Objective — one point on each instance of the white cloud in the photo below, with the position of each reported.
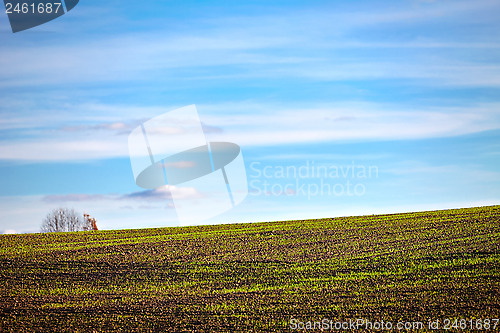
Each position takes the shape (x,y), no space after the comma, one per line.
(368,122)
(260,125)
(48,149)
(164,193)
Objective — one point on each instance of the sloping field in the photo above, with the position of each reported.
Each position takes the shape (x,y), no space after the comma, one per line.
(413,267)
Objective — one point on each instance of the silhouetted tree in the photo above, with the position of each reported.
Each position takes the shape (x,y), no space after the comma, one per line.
(66,220)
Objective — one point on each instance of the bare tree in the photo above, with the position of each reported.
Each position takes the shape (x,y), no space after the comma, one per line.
(66,220)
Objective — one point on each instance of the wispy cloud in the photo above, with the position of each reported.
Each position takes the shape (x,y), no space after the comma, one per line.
(49,149)
(266,45)
(261,125)
(367,121)
(163,194)
(117,127)
(74,197)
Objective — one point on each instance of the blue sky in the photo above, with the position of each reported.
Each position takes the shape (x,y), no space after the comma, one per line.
(409,87)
